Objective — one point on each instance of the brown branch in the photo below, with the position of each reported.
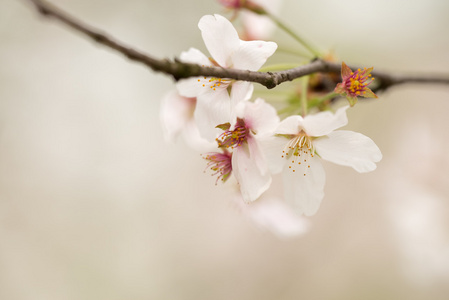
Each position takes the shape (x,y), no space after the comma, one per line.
(181,70)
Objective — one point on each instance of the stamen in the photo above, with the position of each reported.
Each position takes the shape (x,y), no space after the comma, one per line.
(300,144)
(220,164)
(233,138)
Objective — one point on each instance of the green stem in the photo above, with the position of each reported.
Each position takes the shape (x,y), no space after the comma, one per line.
(305,84)
(293,34)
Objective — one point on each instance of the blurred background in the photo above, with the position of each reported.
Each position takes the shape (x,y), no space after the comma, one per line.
(94,204)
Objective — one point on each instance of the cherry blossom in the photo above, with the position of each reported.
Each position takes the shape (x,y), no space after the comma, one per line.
(215,103)
(355,84)
(176,115)
(256,24)
(255,120)
(300,142)
(220,164)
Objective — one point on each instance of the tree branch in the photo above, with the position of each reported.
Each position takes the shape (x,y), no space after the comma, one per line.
(180,70)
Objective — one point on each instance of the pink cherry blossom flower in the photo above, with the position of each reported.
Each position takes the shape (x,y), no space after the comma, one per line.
(254,121)
(355,84)
(299,144)
(215,103)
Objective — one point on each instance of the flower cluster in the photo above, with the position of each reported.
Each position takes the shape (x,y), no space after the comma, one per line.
(247,138)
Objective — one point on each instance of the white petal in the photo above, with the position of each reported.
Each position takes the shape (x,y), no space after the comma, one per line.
(193,139)
(190,87)
(272,147)
(211,111)
(276,216)
(241,91)
(220,38)
(304,192)
(256,154)
(253,54)
(325,122)
(195,56)
(260,117)
(349,148)
(252,182)
(196,86)
(176,113)
(290,125)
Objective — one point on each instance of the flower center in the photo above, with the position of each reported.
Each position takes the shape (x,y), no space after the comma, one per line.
(220,164)
(358,82)
(233,138)
(213,83)
(299,151)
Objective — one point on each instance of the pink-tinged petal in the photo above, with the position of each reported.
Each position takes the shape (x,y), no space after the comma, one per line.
(212,110)
(260,117)
(176,112)
(195,56)
(220,38)
(345,71)
(252,55)
(305,192)
(290,125)
(257,27)
(340,89)
(325,122)
(252,182)
(348,148)
(273,214)
(272,147)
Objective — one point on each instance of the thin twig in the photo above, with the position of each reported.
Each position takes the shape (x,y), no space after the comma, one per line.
(181,70)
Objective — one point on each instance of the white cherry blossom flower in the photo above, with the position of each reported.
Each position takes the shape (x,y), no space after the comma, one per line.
(260,26)
(215,104)
(298,145)
(248,163)
(176,115)
(256,25)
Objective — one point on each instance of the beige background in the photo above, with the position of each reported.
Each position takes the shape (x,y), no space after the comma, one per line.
(95,205)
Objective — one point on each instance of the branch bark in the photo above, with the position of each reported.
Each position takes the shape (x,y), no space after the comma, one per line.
(179,70)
